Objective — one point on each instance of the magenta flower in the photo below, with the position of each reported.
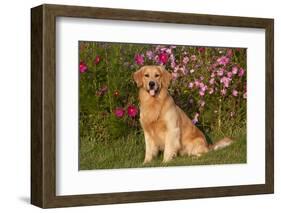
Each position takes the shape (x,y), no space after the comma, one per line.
(234,70)
(223,60)
(132,111)
(201,49)
(139,59)
(97,60)
(119,112)
(241,72)
(82,67)
(163,58)
(234,92)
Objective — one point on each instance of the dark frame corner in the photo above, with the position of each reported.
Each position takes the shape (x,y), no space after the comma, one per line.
(43,102)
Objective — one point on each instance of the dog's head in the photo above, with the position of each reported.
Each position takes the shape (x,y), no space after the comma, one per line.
(152,79)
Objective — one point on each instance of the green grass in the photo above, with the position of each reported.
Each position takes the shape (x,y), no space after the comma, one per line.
(129,153)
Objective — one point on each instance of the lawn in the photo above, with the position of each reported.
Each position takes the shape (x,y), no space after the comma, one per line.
(129,153)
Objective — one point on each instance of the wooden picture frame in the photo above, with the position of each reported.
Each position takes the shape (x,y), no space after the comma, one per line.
(43,105)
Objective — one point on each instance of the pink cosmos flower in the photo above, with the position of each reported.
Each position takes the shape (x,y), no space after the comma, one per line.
(214,65)
(229,52)
(223,92)
(195,119)
(163,58)
(220,72)
(168,50)
(173,61)
(201,85)
(234,70)
(193,57)
(212,81)
(185,60)
(82,67)
(197,82)
(175,75)
(201,92)
(139,59)
(234,92)
(149,54)
(223,60)
(156,58)
(132,111)
(229,74)
(225,81)
(119,112)
(241,72)
(213,75)
(190,85)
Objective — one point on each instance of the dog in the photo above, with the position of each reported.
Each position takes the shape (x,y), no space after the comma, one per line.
(165,125)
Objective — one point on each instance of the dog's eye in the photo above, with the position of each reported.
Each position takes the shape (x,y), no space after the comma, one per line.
(157,75)
(146,75)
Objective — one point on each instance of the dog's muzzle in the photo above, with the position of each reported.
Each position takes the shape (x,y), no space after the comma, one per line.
(152,88)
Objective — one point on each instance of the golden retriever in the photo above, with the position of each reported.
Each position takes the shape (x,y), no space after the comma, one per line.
(166,127)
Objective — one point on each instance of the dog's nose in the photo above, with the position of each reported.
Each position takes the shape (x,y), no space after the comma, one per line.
(151,84)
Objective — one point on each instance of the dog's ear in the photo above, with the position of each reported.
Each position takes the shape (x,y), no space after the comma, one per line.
(166,77)
(138,75)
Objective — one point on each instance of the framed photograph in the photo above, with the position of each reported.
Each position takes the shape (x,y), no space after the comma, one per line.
(136,106)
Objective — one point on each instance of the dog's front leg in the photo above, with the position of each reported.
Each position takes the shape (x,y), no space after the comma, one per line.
(151,149)
(172,144)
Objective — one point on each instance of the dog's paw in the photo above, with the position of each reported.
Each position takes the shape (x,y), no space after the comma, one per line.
(167,160)
(146,161)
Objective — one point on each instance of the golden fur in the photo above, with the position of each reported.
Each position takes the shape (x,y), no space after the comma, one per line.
(166,127)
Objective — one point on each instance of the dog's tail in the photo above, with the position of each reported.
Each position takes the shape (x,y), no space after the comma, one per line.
(221,144)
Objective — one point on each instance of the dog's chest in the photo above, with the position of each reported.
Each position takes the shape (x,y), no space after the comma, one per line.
(156,130)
